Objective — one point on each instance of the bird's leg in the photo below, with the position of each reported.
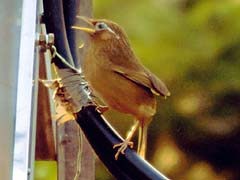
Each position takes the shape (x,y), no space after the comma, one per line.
(127,142)
(142,138)
(101,109)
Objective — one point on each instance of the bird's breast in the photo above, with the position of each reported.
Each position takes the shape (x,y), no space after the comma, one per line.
(118,92)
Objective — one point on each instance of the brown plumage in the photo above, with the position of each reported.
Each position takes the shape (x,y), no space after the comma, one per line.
(119,79)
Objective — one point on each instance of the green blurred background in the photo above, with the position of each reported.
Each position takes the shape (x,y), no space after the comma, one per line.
(194,47)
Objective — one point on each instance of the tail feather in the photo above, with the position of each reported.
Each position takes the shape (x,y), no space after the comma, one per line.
(142,139)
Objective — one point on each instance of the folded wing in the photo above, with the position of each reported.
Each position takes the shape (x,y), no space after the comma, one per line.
(145,78)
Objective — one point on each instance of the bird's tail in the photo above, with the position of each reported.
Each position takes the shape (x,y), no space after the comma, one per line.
(142,139)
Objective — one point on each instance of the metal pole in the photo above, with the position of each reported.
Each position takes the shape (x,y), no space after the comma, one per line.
(24,139)
(10,18)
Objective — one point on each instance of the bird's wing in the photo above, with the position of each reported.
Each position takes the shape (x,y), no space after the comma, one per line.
(145,78)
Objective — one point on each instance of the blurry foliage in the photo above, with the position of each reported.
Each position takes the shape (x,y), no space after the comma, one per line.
(194,47)
(45,170)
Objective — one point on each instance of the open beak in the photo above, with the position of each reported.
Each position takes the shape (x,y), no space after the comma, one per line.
(85,29)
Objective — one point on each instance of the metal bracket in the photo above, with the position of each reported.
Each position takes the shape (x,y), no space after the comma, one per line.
(45,41)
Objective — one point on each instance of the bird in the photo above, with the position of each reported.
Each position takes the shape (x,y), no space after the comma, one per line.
(119,79)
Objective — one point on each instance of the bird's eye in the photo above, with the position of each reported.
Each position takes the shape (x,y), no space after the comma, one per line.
(101,26)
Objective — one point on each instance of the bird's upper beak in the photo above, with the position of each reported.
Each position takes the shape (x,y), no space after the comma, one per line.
(85,29)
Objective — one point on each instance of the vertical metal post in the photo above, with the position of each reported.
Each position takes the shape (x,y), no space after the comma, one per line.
(24,141)
(10,18)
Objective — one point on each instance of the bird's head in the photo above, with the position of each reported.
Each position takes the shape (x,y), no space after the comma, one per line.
(106,37)
(102,30)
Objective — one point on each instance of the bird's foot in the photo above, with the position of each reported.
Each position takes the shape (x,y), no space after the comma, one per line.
(122,147)
(102,109)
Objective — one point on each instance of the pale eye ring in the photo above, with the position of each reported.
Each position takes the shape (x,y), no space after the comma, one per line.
(101,26)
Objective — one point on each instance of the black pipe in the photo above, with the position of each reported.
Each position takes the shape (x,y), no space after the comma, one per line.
(70,9)
(98,132)
(53,17)
(102,138)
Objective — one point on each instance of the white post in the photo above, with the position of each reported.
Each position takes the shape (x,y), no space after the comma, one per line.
(10,29)
(24,139)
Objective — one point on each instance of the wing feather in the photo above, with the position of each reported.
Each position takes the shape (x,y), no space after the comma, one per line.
(145,78)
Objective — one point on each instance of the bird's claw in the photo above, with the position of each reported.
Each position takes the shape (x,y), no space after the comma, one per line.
(122,147)
(102,109)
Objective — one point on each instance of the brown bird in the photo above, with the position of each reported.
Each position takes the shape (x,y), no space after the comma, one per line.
(119,79)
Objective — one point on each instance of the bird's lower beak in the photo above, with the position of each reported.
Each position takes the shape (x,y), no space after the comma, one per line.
(85,29)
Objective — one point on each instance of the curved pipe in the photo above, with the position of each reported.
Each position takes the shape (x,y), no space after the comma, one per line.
(99,133)
(102,138)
